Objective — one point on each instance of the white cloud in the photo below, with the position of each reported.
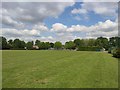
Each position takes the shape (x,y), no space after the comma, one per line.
(31,12)
(30,17)
(107,28)
(58,27)
(77,28)
(8,21)
(47,39)
(101,8)
(20,33)
(79,11)
(40,27)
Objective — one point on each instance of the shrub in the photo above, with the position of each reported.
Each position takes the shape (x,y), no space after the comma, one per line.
(116,52)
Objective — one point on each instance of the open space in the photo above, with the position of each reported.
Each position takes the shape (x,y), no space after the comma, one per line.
(58,69)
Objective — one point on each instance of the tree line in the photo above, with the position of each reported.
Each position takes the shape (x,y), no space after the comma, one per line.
(112,45)
(100,42)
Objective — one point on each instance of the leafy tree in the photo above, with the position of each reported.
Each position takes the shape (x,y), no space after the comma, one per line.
(52,45)
(58,45)
(102,42)
(4,43)
(47,45)
(10,42)
(118,41)
(44,45)
(29,45)
(37,42)
(70,45)
(41,45)
(91,42)
(82,42)
(85,42)
(23,44)
(114,42)
(0,42)
(18,44)
(77,42)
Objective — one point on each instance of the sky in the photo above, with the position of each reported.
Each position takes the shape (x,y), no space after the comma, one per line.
(58,21)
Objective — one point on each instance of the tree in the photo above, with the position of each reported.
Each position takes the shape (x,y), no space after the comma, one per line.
(85,42)
(44,45)
(41,45)
(4,43)
(10,42)
(58,45)
(47,45)
(82,42)
(23,44)
(114,42)
(91,42)
(52,45)
(37,42)
(0,43)
(70,45)
(102,42)
(118,42)
(18,44)
(77,42)
(29,45)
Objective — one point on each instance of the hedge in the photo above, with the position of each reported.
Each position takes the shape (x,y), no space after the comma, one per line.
(89,49)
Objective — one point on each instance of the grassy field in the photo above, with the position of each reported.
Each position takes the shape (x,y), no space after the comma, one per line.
(59,69)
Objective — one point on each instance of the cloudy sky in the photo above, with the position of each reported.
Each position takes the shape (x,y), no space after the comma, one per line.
(58,21)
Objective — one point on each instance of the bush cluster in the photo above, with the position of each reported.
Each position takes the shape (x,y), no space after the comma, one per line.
(115,51)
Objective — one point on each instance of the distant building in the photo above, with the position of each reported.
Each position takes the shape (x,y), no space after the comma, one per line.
(35,47)
(25,48)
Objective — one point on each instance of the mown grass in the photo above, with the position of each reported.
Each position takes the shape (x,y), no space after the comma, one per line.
(59,69)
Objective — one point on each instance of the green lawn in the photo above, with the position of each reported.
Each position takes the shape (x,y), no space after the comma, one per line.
(59,69)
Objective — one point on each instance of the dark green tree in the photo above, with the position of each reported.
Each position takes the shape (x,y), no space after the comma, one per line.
(77,42)
(16,44)
(91,42)
(52,45)
(10,43)
(58,45)
(37,42)
(0,42)
(4,43)
(29,45)
(41,45)
(102,42)
(70,45)
(47,45)
(23,45)
(114,42)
